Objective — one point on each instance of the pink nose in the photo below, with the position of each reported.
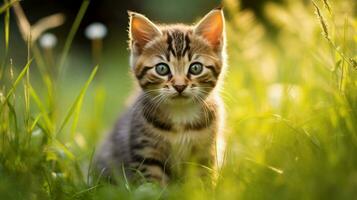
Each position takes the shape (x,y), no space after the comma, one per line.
(180,88)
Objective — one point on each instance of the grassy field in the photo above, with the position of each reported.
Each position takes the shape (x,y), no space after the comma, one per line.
(290,94)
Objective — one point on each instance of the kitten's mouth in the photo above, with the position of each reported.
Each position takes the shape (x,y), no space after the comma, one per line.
(180,96)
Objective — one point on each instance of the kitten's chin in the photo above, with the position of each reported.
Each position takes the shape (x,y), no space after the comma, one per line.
(181,99)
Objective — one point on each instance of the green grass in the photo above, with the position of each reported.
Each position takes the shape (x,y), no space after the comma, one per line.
(291,98)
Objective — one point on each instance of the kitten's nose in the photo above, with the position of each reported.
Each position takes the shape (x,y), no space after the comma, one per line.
(180,88)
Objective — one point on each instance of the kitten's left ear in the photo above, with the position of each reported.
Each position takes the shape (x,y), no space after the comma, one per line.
(211,28)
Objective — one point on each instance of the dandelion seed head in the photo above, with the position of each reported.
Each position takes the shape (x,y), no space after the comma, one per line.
(48,40)
(96,30)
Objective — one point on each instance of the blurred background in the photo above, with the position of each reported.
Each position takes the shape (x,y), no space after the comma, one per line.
(113,50)
(290,92)
(114,15)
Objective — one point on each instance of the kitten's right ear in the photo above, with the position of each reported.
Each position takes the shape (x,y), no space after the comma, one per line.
(211,28)
(141,31)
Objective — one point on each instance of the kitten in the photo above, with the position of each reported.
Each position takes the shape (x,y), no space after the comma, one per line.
(177,117)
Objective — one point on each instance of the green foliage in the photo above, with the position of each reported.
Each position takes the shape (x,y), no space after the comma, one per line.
(6,5)
(291,124)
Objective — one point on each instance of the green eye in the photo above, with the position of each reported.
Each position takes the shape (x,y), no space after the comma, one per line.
(162,69)
(196,68)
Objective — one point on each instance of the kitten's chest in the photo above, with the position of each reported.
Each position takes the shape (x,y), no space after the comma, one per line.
(186,146)
(191,129)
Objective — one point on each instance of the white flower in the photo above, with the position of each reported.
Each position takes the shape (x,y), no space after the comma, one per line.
(96,30)
(48,40)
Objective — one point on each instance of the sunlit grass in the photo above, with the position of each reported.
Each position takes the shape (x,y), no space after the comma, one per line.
(291,99)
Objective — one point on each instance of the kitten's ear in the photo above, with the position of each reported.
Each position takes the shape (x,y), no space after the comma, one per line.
(211,27)
(141,30)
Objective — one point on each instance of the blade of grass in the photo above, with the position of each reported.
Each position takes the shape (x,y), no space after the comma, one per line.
(7,29)
(72,33)
(45,75)
(322,20)
(34,123)
(12,114)
(274,169)
(17,81)
(74,110)
(84,191)
(325,33)
(44,112)
(90,166)
(58,145)
(127,184)
(7,5)
(24,26)
(6,35)
(26,92)
(327,6)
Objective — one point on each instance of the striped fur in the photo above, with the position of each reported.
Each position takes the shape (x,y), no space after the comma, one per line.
(166,127)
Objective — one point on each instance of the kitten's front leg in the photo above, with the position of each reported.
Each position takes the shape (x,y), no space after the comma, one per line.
(150,163)
(205,157)
(149,169)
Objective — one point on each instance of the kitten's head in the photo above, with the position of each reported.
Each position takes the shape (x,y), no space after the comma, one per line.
(177,62)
